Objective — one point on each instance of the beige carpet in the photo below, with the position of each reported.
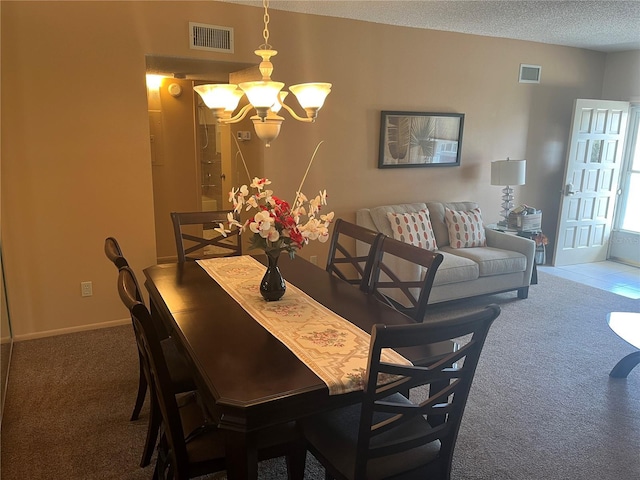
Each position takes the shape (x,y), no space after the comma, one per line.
(542,405)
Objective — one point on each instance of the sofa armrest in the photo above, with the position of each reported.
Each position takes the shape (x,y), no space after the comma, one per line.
(506,241)
(514,243)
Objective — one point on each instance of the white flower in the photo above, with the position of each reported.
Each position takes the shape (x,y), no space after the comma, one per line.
(328,218)
(259,183)
(222,230)
(323,197)
(231,219)
(315,229)
(262,224)
(300,199)
(274,235)
(252,203)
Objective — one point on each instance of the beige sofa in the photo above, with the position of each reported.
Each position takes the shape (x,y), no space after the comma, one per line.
(504,264)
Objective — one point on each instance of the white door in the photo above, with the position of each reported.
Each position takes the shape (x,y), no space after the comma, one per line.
(591,179)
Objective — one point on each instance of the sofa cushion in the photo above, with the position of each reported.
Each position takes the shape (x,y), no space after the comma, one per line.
(455,268)
(414,228)
(466,229)
(436,211)
(381,221)
(490,261)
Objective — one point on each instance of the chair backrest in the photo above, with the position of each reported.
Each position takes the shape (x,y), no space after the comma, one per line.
(355,269)
(393,282)
(389,422)
(156,369)
(196,232)
(114,253)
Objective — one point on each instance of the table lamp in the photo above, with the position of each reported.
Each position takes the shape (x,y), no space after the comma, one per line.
(507,173)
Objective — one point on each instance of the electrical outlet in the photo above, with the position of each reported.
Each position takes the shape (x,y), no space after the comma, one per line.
(313,259)
(86,288)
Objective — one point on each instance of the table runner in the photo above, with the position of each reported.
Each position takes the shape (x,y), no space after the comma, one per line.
(332,347)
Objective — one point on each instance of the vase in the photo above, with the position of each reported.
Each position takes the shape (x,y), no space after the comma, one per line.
(272,286)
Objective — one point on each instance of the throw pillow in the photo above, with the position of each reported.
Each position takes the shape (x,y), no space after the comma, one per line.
(414,228)
(465,228)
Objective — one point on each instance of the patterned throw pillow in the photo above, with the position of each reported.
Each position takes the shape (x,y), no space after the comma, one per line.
(414,228)
(465,228)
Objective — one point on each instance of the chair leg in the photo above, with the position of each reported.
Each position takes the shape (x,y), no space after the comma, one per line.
(155,419)
(162,461)
(523,293)
(142,391)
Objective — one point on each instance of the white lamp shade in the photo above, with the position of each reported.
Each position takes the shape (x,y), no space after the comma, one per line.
(262,94)
(275,108)
(220,96)
(508,172)
(311,95)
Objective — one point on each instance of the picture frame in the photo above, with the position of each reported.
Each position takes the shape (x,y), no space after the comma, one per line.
(420,139)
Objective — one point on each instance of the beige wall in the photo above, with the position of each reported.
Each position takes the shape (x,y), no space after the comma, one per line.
(75,148)
(622,77)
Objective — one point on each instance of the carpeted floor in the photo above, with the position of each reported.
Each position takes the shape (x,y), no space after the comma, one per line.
(542,405)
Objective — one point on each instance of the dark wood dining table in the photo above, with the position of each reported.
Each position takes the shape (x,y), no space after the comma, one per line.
(246,376)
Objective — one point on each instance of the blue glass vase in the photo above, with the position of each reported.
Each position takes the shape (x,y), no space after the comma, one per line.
(272,286)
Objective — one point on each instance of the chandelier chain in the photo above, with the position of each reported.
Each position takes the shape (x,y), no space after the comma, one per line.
(265,32)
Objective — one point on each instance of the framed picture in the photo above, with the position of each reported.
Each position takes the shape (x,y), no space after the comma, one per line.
(417,139)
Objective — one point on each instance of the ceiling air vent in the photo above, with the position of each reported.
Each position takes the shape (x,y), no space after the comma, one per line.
(210,37)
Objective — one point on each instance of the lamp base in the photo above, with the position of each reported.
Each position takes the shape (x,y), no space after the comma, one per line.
(507,205)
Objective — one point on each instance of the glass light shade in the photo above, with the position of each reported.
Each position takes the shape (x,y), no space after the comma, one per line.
(262,94)
(311,95)
(275,108)
(508,172)
(220,96)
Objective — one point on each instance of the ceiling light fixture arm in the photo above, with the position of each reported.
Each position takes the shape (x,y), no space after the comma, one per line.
(309,119)
(238,117)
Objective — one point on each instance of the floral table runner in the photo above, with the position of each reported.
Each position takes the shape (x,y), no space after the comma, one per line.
(332,347)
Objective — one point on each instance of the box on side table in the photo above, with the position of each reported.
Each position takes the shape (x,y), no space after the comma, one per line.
(527,222)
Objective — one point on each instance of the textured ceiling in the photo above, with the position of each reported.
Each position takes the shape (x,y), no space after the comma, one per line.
(606,26)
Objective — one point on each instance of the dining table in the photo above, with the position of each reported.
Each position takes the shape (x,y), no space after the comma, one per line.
(244,373)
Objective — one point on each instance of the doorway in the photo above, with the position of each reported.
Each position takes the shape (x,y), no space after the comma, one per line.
(591,181)
(626,234)
(191,156)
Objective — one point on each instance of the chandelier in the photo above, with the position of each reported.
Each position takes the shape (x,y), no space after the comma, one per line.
(265,96)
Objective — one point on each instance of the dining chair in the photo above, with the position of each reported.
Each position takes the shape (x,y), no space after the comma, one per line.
(409,294)
(191,444)
(389,435)
(180,371)
(355,269)
(196,235)
(114,253)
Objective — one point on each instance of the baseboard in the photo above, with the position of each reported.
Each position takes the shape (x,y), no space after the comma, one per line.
(63,331)
(624,261)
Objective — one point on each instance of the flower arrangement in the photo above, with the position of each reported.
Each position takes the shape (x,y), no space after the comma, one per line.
(278,226)
(540,239)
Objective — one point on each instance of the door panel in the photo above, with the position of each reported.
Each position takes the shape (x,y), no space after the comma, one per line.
(592,172)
